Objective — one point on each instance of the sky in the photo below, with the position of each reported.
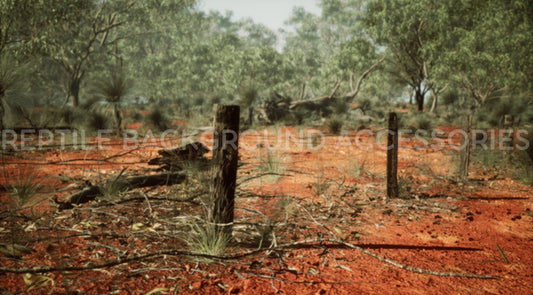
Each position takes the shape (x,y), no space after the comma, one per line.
(272,13)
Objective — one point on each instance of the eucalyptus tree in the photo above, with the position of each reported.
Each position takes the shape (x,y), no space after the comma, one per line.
(159,41)
(305,51)
(8,79)
(485,47)
(405,29)
(484,50)
(84,32)
(332,53)
(22,25)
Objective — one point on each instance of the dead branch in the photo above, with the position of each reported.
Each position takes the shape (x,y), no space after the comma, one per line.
(94,191)
(363,76)
(123,260)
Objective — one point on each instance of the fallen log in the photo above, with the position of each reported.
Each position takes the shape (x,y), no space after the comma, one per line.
(177,159)
(269,112)
(94,191)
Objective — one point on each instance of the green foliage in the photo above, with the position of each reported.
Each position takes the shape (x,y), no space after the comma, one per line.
(425,123)
(114,89)
(176,53)
(159,119)
(485,54)
(248,96)
(274,107)
(10,76)
(8,73)
(516,163)
(525,174)
(403,27)
(72,116)
(98,120)
(136,116)
(340,106)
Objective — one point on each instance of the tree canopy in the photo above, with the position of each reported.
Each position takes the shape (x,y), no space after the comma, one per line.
(355,49)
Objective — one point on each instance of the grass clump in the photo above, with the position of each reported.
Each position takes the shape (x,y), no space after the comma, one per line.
(525,174)
(335,125)
(321,184)
(208,239)
(356,168)
(111,190)
(159,119)
(23,189)
(271,162)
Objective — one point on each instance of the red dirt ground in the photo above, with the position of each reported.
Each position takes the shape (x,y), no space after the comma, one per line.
(325,200)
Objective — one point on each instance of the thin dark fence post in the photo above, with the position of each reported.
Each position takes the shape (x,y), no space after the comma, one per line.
(465,148)
(392,157)
(225,160)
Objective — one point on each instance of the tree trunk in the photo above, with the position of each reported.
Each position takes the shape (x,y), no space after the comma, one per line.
(434,104)
(74,92)
(419,97)
(74,81)
(225,160)
(250,115)
(392,157)
(118,118)
(2,112)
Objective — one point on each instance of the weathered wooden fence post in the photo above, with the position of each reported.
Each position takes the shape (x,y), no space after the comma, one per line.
(225,160)
(392,157)
(465,148)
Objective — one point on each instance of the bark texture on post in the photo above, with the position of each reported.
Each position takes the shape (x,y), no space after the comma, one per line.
(392,157)
(465,148)
(225,160)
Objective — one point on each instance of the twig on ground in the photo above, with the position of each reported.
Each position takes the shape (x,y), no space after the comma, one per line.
(235,256)
(502,254)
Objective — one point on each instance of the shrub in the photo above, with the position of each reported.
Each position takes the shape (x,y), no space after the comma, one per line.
(334,125)
(72,116)
(340,106)
(159,119)
(136,116)
(98,121)
(424,123)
